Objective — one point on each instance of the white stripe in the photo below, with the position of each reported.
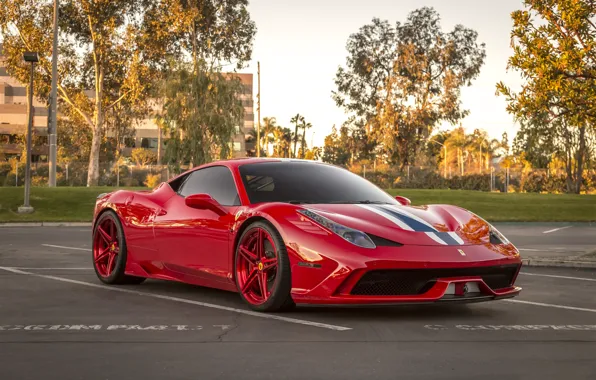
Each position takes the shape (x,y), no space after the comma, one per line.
(529,249)
(556,229)
(389,217)
(456,238)
(184,300)
(63,247)
(555,276)
(408,214)
(435,237)
(552,305)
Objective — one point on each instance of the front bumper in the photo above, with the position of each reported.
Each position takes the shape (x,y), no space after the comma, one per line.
(419,278)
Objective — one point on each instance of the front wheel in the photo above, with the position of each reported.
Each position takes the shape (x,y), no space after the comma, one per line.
(262,269)
(109,251)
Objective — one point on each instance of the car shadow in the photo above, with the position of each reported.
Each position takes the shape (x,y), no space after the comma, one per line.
(431,313)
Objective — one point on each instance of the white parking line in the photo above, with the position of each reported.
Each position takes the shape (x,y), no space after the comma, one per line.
(555,276)
(556,229)
(63,247)
(64,268)
(552,305)
(529,249)
(183,300)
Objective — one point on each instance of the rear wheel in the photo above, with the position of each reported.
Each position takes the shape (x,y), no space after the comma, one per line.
(109,251)
(262,269)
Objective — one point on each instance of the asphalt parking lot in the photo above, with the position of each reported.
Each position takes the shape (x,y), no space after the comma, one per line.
(58,322)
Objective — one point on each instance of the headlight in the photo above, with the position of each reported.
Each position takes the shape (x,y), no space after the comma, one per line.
(355,237)
(496,237)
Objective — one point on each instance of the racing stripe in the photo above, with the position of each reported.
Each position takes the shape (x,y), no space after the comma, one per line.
(403,211)
(416,225)
(435,237)
(446,236)
(395,220)
(456,237)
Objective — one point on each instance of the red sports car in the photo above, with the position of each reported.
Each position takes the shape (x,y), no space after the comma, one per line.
(283,232)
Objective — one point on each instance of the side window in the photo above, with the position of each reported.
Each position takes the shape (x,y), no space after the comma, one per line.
(216,181)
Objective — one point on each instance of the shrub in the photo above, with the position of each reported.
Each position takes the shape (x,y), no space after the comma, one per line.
(152,180)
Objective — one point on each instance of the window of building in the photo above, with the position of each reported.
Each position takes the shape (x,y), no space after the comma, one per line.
(237,146)
(150,143)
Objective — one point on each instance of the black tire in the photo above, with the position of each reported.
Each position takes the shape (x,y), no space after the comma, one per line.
(280,298)
(117,277)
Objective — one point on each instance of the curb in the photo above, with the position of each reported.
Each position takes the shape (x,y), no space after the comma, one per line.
(558,263)
(47,224)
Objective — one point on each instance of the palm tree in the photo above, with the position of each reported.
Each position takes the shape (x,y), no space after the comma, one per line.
(304,126)
(267,128)
(297,120)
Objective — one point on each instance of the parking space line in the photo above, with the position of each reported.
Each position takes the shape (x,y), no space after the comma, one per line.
(552,305)
(555,276)
(64,268)
(63,247)
(183,300)
(556,229)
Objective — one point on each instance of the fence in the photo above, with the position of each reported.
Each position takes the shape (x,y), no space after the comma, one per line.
(500,179)
(75,174)
(494,179)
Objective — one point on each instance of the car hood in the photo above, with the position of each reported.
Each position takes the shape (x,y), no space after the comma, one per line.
(417,225)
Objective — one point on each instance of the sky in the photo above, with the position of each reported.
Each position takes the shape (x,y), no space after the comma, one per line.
(300,45)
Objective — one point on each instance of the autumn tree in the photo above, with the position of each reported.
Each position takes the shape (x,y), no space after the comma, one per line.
(403,80)
(554,44)
(99,51)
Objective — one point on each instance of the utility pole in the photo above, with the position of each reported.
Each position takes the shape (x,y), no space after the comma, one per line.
(53,100)
(259,109)
(26,208)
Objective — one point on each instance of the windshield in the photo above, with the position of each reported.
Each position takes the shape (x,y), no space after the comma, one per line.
(304,182)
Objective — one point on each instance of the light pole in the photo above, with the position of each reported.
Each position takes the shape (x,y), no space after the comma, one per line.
(53,100)
(26,208)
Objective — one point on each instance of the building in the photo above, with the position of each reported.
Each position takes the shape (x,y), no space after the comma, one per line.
(13,120)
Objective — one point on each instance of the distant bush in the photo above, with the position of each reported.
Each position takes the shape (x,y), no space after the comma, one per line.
(152,180)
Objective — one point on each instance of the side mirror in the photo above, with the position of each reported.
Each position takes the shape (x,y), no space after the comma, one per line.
(205,202)
(403,200)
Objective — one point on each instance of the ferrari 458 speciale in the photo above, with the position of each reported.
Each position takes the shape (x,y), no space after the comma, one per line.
(282,232)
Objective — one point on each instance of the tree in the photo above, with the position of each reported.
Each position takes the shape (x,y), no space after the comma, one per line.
(303,146)
(269,125)
(201,111)
(282,140)
(143,156)
(336,149)
(554,45)
(99,50)
(118,49)
(402,81)
(297,120)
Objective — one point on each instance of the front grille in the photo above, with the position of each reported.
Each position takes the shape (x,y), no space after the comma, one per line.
(418,281)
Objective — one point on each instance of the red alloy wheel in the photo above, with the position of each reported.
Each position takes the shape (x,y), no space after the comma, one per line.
(256,266)
(106,247)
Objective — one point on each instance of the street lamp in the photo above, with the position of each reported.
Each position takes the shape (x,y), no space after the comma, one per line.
(32,57)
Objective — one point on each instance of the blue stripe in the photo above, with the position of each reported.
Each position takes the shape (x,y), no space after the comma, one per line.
(413,223)
(447,238)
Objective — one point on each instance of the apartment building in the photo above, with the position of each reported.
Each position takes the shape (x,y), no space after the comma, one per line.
(13,120)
